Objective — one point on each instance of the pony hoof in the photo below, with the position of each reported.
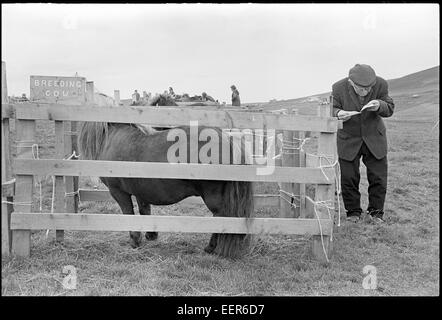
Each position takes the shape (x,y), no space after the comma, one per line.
(151,236)
(134,244)
(135,239)
(209,249)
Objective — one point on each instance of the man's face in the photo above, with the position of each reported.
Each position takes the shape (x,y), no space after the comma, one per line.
(360,91)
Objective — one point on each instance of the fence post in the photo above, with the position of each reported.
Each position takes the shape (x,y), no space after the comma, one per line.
(117,97)
(298,188)
(25,135)
(6,172)
(71,183)
(278,161)
(326,147)
(336,195)
(59,206)
(302,186)
(288,160)
(291,158)
(264,141)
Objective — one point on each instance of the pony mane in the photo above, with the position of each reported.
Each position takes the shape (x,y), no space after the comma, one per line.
(146,129)
(91,139)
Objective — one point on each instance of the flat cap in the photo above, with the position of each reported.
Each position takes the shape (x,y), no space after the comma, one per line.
(362,75)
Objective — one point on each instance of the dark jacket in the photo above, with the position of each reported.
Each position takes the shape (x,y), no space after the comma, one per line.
(366,127)
(235,98)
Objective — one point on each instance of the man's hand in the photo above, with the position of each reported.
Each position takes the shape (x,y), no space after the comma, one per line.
(373,105)
(345,115)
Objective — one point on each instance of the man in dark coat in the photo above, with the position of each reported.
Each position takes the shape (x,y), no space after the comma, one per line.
(363,135)
(235,96)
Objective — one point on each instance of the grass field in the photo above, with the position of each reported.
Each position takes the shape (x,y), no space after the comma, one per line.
(405,250)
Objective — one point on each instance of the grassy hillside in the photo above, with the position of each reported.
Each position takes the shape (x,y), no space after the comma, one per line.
(418,91)
(426,80)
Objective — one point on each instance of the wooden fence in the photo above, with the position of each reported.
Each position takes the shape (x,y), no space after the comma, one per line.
(310,216)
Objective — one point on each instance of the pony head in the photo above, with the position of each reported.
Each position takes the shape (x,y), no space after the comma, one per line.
(162,100)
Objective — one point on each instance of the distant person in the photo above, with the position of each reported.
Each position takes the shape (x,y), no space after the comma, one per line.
(236,101)
(363,135)
(171,92)
(135,98)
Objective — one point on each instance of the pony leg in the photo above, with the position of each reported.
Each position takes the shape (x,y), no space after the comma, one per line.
(212,243)
(145,210)
(213,202)
(125,202)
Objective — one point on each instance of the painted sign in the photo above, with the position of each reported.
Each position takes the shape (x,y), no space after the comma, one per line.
(52,89)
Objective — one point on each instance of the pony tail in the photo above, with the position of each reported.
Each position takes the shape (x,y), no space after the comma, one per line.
(238,202)
(238,199)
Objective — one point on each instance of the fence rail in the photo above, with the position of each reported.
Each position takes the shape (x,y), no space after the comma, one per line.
(130,169)
(171,116)
(260,200)
(119,222)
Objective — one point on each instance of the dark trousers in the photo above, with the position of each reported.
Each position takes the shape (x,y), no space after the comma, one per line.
(376,176)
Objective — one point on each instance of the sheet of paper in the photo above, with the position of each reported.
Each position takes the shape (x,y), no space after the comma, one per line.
(368,105)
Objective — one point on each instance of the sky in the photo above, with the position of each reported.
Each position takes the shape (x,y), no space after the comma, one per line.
(269,51)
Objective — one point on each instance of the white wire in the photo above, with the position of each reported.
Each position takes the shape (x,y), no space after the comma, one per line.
(17,203)
(322,235)
(36,156)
